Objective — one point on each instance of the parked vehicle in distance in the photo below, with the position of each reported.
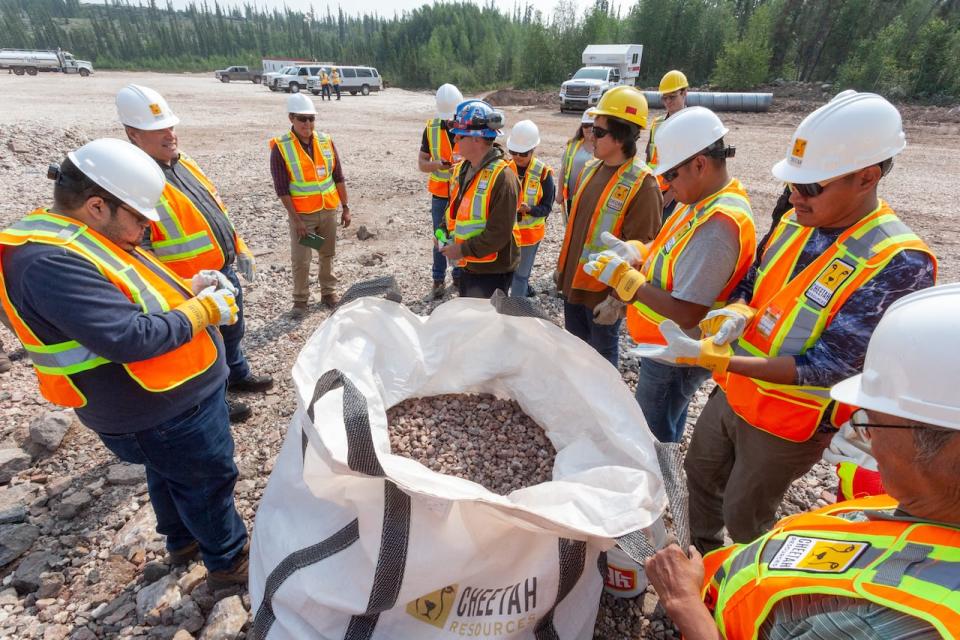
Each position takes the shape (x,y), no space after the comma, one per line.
(294,78)
(275,65)
(239,73)
(269,77)
(354,79)
(31,61)
(605,66)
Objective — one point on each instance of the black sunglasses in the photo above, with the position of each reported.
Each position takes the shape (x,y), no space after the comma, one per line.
(860,424)
(305,118)
(672,174)
(586,125)
(600,132)
(522,154)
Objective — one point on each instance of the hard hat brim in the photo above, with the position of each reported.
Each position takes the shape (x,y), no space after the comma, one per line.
(521,148)
(150,214)
(164,123)
(786,172)
(850,391)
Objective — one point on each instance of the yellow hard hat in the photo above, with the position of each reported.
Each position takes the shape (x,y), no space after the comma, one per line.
(673,81)
(622,102)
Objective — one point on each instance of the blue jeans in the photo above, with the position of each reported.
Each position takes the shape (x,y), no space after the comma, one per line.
(521,277)
(663,393)
(233,334)
(190,478)
(605,338)
(438,209)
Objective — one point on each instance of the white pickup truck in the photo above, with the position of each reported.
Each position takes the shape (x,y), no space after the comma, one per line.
(606,66)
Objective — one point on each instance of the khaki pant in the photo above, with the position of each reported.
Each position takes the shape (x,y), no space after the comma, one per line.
(322,223)
(737,474)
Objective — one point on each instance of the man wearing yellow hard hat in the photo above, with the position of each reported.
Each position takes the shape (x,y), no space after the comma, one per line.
(673,94)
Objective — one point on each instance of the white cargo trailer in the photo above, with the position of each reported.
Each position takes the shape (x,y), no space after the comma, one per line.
(31,61)
(624,57)
(605,66)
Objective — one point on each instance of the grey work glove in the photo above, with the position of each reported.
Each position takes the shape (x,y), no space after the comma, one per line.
(210,278)
(609,311)
(247,266)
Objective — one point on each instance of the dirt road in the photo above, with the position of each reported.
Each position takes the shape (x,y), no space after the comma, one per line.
(226,127)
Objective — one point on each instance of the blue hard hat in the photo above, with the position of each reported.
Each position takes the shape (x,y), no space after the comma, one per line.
(477,119)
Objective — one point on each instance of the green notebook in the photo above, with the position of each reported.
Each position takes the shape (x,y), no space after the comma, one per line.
(313,241)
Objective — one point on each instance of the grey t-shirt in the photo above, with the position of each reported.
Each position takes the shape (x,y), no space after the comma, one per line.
(579,160)
(707,262)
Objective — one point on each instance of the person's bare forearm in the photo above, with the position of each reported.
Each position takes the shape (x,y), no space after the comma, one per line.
(694,620)
(287,202)
(686,314)
(779,370)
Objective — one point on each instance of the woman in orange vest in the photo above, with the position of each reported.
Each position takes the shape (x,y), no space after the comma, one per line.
(130,346)
(876,567)
(576,153)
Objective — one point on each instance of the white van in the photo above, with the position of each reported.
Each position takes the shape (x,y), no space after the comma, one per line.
(354,80)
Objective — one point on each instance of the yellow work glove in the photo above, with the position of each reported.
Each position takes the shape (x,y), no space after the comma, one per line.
(682,349)
(727,324)
(633,251)
(210,307)
(612,270)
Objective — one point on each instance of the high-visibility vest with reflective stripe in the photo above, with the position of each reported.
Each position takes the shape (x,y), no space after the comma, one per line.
(56,364)
(440,149)
(335,77)
(470,218)
(857,481)
(616,197)
(182,239)
(311,180)
(907,566)
(324,78)
(531,229)
(566,162)
(654,156)
(792,313)
(731,201)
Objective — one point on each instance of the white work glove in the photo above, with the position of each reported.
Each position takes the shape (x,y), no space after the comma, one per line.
(727,324)
(682,349)
(247,266)
(609,311)
(847,446)
(612,270)
(225,302)
(210,278)
(634,252)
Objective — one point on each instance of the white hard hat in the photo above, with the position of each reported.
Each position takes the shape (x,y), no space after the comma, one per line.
(911,367)
(851,132)
(448,97)
(684,134)
(586,118)
(143,108)
(524,136)
(124,171)
(299,103)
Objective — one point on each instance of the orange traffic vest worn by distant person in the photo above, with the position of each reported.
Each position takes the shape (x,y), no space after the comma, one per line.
(531,229)
(732,202)
(150,287)
(792,313)
(566,163)
(617,195)
(470,218)
(904,565)
(311,180)
(440,150)
(182,238)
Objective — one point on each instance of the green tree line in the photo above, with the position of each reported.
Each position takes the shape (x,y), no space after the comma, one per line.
(903,48)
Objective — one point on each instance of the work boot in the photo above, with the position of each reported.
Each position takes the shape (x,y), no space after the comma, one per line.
(330,299)
(251,384)
(436,293)
(299,310)
(235,575)
(531,292)
(5,363)
(183,555)
(239,411)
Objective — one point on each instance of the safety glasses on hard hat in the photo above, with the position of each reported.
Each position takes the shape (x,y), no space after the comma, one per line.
(860,422)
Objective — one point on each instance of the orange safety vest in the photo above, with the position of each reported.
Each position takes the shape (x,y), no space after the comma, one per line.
(440,149)
(335,76)
(470,219)
(56,364)
(654,156)
(857,481)
(531,229)
(566,163)
(324,79)
(608,215)
(311,184)
(731,201)
(904,565)
(182,238)
(792,313)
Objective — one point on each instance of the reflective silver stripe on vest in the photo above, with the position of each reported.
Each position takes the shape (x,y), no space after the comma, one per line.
(77,357)
(608,216)
(177,244)
(293,158)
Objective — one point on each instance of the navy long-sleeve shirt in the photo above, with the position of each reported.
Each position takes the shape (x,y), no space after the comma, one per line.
(542,209)
(62,296)
(842,348)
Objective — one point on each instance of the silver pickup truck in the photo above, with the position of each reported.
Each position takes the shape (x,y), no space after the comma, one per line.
(239,73)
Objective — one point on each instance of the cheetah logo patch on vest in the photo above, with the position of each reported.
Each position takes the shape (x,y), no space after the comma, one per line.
(484,180)
(816,555)
(829,281)
(618,196)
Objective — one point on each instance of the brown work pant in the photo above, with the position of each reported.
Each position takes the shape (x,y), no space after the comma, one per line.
(322,223)
(737,474)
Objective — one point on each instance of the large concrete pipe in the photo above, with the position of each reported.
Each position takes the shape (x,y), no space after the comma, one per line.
(717,101)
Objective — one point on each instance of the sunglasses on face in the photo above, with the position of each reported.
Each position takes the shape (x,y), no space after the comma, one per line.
(586,125)
(600,132)
(521,154)
(813,189)
(305,118)
(672,174)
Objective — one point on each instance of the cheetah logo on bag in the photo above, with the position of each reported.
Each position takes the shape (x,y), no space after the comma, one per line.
(799,149)
(434,608)
(816,555)
(618,196)
(829,281)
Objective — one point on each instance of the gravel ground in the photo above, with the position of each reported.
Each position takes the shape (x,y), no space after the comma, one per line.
(78,554)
